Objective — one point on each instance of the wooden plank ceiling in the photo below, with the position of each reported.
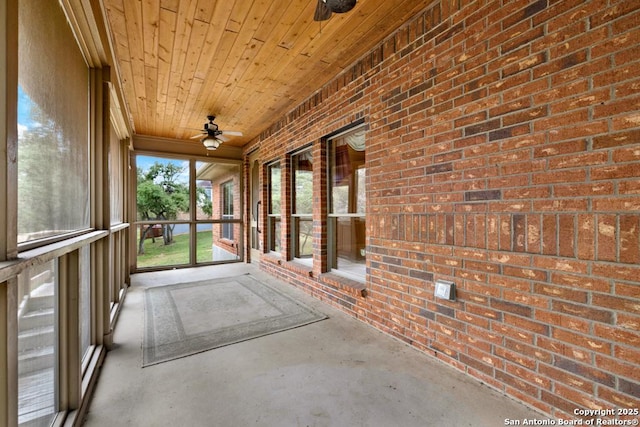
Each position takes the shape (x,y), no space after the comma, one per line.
(248,62)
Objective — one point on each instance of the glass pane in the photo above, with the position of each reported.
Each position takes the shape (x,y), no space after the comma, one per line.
(274,233)
(116,173)
(204,243)
(361,188)
(347,166)
(350,245)
(226,242)
(53,133)
(204,194)
(37,345)
(212,180)
(85,300)
(304,231)
(163,245)
(274,189)
(302,187)
(163,189)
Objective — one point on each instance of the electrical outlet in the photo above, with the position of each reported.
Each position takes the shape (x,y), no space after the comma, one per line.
(445,290)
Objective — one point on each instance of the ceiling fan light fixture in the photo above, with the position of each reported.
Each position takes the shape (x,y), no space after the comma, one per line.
(211,143)
(341,6)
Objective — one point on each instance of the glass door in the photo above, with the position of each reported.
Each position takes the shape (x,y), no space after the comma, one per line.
(188,212)
(255,205)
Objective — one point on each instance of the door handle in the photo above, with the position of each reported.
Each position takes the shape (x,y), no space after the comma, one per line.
(257,216)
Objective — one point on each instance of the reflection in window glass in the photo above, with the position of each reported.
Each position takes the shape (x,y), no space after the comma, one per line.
(347,237)
(273,214)
(37,345)
(204,196)
(302,193)
(226,190)
(53,133)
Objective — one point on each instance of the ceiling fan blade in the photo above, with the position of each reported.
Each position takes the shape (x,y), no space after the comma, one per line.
(231,133)
(322,11)
(197,136)
(222,138)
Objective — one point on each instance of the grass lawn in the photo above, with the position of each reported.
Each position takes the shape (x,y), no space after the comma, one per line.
(177,253)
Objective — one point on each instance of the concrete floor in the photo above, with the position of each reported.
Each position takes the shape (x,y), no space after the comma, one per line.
(336,372)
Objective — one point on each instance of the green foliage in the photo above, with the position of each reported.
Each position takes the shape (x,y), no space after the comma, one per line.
(53,190)
(160,194)
(158,254)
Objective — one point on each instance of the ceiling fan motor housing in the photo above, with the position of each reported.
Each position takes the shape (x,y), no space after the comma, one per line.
(341,6)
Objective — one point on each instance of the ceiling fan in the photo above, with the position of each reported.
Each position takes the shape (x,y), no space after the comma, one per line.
(326,7)
(211,136)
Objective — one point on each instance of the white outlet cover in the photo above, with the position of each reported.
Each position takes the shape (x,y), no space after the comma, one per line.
(444,289)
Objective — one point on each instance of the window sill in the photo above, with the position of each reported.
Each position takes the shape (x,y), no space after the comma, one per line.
(337,281)
(228,242)
(299,267)
(272,258)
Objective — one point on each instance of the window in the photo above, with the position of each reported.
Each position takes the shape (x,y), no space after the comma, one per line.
(302,204)
(347,203)
(38,345)
(116,177)
(227,209)
(273,213)
(183,201)
(53,125)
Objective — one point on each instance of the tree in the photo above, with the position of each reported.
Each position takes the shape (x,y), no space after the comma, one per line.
(53,190)
(161,196)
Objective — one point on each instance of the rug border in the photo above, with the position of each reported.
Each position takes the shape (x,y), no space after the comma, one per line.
(318,316)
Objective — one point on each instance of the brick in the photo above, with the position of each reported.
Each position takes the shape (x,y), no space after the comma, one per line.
(563,321)
(565,349)
(567,236)
(616,139)
(520,310)
(526,273)
(607,236)
(627,154)
(549,235)
(584,371)
(597,315)
(586,236)
(583,190)
(576,175)
(621,336)
(569,147)
(620,204)
(518,238)
(516,382)
(567,378)
(615,366)
(629,239)
(561,293)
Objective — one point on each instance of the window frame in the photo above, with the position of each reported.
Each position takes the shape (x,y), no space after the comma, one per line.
(296,217)
(273,219)
(353,204)
(226,190)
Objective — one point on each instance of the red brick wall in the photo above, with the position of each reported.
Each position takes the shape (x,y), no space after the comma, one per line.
(503,154)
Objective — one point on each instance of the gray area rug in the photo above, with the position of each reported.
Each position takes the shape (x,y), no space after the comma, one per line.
(189,318)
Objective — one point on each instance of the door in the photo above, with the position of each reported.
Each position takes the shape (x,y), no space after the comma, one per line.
(256,206)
